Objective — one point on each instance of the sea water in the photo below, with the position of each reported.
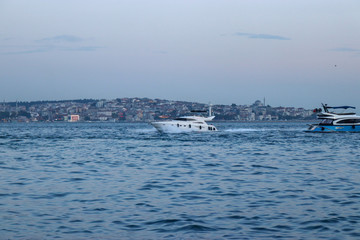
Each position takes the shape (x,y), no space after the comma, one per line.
(127,181)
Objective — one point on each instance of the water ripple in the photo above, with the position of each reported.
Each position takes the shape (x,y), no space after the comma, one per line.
(127,181)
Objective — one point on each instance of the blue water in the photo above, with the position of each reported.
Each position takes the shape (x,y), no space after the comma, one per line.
(127,181)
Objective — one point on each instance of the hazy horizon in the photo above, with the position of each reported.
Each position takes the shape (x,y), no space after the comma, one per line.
(297,53)
(175,100)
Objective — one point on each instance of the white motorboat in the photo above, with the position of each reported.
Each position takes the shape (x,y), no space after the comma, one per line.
(186,124)
(335,122)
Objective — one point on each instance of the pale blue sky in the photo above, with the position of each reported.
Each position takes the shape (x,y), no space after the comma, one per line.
(293,53)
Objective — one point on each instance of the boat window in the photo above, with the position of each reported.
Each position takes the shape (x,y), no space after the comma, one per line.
(210,128)
(184,119)
(178,125)
(349,121)
(189,125)
(326,122)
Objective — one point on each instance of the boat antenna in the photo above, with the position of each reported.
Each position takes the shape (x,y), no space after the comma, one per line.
(210,105)
(325,107)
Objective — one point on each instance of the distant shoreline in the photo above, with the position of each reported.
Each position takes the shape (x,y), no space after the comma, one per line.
(147,122)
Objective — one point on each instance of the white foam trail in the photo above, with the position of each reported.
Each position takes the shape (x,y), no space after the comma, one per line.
(262,129)
(244,130)
(145,130)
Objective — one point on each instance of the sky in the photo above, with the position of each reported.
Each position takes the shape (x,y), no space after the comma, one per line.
(297,53)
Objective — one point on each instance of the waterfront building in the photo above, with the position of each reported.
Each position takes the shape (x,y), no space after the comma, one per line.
(74,118)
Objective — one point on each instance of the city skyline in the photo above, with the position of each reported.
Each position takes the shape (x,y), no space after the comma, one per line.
(298,53)
(142,110)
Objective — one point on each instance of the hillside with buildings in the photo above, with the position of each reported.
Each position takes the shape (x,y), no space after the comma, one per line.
(140,110)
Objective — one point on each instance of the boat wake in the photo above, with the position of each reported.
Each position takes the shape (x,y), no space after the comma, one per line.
(229,130)
(144,130)
(247,130)
(237,130)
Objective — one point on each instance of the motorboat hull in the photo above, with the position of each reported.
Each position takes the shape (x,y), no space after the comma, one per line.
(333,128)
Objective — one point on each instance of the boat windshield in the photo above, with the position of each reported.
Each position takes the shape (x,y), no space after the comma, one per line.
(184,119)
(349,121)
(326,122)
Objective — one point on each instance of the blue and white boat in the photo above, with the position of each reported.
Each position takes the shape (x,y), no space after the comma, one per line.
(335,122)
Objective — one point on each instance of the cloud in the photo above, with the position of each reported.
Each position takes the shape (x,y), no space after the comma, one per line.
(82,49)
(346,50)
(58,43)
(62,39)
(261,36)
(34,50)
(44,49)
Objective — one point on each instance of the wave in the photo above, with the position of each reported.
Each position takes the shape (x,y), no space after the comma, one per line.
(247,130)
(144,130)
(263,129)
